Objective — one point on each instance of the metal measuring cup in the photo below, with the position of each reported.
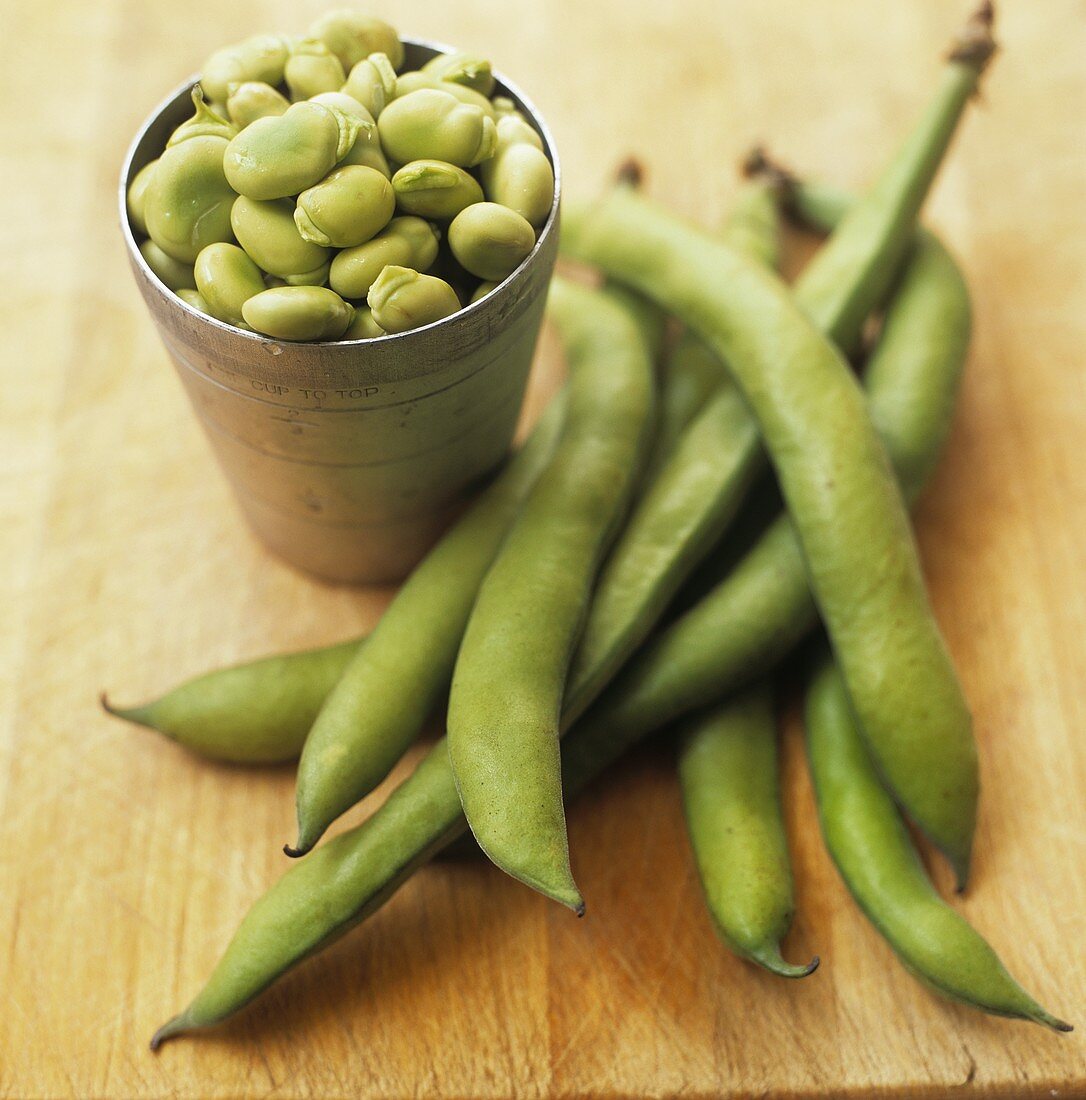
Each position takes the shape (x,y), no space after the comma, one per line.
(349,458)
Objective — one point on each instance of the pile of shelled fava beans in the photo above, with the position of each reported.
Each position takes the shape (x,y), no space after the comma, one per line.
(319,192)
(635,569)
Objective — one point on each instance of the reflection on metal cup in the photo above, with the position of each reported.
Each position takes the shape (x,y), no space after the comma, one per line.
(349,459)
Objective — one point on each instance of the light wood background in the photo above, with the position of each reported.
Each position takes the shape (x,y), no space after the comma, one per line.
(125,864)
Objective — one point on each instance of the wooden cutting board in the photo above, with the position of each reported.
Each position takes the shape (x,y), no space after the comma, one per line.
(125,864)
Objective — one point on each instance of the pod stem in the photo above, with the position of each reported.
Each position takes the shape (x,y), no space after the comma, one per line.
(975,44)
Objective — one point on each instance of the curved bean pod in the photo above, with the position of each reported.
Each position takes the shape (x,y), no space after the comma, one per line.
(869,843)
(503,720)
(379,705)
(837,482)
(731,798)
(253,713)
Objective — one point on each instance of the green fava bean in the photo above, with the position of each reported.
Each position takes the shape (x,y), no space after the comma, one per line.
(204,122)
(521,177)
(873,851)
(267,231)
(363,326)
(434,189)
(317,277)
(403,299)
(405,242)
(227,278)
(192,298)
(462,68)
(173,273)
(253,713)
(406,83)
(311,69)
(275,157)
(135,196)
(254,99)
(482,290)
(367,149)
(187,202)
(504,107)
(351,35)
(347,208)
(435,124)
(490,241)
(372,82)
(298,313)
(262,57)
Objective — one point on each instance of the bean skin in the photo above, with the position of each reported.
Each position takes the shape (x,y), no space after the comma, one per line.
(871,846)
(503,719)
(731,797)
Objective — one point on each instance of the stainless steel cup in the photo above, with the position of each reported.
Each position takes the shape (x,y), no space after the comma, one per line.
(348,459)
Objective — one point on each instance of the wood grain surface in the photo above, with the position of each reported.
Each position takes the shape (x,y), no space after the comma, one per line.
(125,864)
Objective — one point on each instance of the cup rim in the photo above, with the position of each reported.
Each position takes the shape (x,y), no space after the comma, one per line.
(258,339)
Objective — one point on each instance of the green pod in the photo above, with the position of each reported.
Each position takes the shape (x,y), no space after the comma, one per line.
(363,326)
(173,273)
(204,122)
(401,299)
(269,233)
(195,299)
(871,847)
(352,35)
(507,688)
(348,207)
(434,189)
(278,156)
(135,197)
(262,57)
(372,83)
(227,278)
(253,99)
(405,242)
(369,721)
(253,713)
(690,501)
(406,83)
(728,772)
(366,149)
(432,124)
(490,241)
(187,202)
(762,606)
(836,480)
(298,313)
(311,69)
(465,69)
(519,175)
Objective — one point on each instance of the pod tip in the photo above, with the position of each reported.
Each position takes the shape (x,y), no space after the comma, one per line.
(630,173)
(1054,1022)
(139,715)
(770,958)
(975,43)
(298,852)
(169,1030)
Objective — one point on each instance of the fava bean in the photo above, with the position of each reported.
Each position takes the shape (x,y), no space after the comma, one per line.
(311,69)
(519,175)
(352,35)
(405,242)
(363,326)
(348,207)
(175,274)
(490,241)
(435,124)
(137,193)
(298,313)
(413,81)
(227,279)
(462,68)
(204,122)
(402,299)
(278,156)
(372,82)
(366,149)
(434,189)
(254,99)
(269,233)
(262,57)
